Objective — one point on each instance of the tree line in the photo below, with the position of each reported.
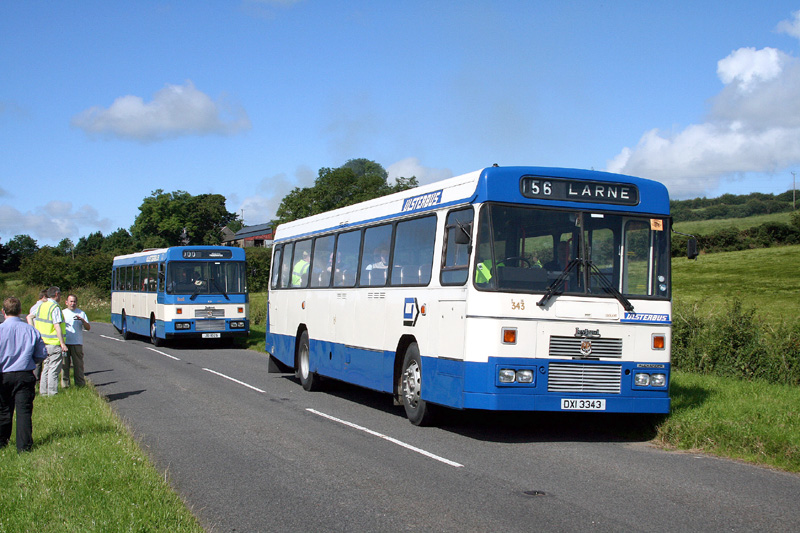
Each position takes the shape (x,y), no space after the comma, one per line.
(731,206)
(179,218)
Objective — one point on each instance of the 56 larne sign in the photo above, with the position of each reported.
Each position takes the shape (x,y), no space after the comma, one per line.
(579,191)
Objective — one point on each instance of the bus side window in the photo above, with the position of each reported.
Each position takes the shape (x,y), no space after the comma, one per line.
(457,246)
(276,263)
(412,257)
(375,255)
(323,262)
(348,248)
(286,266)
(161,282)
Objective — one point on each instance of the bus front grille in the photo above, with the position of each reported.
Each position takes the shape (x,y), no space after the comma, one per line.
(209,325)
(571,347)
(578,377)
(209,312)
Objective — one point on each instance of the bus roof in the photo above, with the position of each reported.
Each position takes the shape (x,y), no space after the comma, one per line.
(579,189)
(180,253)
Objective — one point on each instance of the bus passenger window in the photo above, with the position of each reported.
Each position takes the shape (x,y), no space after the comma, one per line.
(375,260)
(286,266)
(276,261)
(323,262)
(348,248)
(412,257)
(302,258)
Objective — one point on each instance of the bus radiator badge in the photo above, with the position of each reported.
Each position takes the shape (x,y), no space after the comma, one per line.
(586,347)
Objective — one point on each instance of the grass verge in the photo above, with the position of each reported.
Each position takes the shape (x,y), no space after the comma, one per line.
(85,473)
(753,421)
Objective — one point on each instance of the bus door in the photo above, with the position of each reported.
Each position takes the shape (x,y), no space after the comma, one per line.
(345,306)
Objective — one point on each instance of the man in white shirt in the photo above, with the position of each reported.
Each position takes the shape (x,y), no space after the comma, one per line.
(76,321)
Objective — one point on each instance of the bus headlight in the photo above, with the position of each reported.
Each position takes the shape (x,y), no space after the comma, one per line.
(524,376)
(507,375)
(658,380)
(641,380)
(183,325)
(237,324)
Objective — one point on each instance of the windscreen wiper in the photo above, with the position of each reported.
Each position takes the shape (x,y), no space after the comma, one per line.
(553,288)
(216,284)
(626,304)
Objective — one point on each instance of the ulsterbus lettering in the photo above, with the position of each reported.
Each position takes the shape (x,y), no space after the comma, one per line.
(422,201)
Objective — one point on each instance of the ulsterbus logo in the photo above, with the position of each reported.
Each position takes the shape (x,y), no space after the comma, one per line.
(422,201)
(410,312)
(646,318)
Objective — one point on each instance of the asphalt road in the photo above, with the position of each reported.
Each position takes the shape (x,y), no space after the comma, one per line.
(252,451)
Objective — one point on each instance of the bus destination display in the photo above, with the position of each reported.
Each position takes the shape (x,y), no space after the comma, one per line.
(207,254)
(579,190)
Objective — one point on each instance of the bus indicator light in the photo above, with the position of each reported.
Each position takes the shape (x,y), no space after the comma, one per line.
(659,341)
(509,335)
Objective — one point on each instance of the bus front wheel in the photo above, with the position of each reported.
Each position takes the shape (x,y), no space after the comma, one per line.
(418,411)
(308,379)
(153,334)
(125,333)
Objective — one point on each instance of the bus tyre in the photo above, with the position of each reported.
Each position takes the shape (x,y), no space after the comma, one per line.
(418,411)
(153,334)
(308,379)
(125,333)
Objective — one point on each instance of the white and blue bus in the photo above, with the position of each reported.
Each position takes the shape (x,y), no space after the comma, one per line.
(509,288)
(181,292)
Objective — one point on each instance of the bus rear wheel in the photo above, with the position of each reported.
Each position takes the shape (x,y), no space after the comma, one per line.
(308,379)
(418,411)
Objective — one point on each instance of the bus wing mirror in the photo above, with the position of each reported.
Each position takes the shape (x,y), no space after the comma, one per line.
(463,234)
(691,248)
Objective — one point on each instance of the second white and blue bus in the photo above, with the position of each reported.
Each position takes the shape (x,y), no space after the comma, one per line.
(181,292)
(508,288)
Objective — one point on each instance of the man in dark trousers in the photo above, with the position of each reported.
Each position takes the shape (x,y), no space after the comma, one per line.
(21,347)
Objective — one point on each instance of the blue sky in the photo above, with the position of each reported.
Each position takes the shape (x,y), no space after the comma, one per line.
(102,103)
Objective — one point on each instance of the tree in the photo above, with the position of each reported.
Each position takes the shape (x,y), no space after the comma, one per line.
(90,244)
(66,247)
(18,248)
(163,217)
(118,243)
(356,181)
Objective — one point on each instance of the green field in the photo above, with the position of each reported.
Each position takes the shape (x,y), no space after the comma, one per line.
(705,227)
(766,279)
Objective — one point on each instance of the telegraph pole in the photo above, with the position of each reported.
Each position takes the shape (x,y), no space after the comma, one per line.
(794,191)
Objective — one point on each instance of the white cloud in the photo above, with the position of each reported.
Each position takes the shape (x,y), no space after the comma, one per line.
(176,110)
(261,208)
(748,66)
(52,222)
(791,27)
(411,166)
(753,126)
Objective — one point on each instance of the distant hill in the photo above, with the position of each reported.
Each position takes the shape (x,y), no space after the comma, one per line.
(731,206)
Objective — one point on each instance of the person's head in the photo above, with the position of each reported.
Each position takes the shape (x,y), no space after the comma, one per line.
(43,295)
(72,302)
(54,293)
(12,306)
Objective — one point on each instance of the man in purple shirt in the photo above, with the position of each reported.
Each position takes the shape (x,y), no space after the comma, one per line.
(21,347)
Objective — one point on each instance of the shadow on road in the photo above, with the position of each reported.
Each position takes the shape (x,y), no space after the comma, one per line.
(121,395)
(512,426)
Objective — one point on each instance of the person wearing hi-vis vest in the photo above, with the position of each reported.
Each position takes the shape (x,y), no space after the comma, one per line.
(50,323)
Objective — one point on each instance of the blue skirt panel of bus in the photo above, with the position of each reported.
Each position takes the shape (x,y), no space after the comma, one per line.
(141,326)
(468,385)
